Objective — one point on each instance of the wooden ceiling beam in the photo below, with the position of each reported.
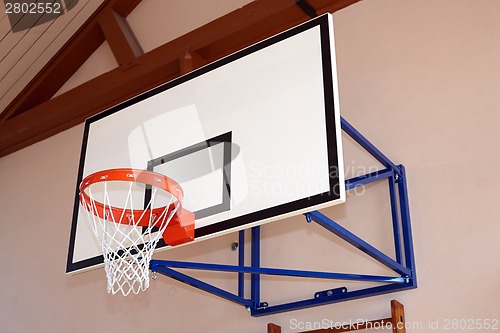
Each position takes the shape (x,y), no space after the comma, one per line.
(191,61)
(123,44)
(236,30)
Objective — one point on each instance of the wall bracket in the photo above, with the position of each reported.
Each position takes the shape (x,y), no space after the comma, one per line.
(403,263)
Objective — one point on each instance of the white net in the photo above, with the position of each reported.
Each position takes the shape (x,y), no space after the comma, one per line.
(129,234)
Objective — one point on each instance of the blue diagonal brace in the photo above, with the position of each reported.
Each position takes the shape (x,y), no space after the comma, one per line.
(367,145)
(201,285)
(357,242)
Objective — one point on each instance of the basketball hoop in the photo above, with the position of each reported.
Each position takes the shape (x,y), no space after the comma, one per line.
(128,234)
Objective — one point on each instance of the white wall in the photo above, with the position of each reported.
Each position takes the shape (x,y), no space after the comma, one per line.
(420,79)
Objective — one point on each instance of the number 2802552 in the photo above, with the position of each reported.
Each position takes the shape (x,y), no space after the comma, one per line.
(33,8)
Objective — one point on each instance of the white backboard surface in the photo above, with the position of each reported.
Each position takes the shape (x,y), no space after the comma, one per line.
(251,138)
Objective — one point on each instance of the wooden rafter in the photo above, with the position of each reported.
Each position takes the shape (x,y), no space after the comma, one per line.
(33,116)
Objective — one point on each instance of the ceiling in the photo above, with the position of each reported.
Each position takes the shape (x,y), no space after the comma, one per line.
(39,53)
(29,41)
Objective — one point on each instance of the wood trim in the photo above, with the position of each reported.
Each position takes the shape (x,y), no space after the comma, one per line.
(397,321)
(32,117)
(272,328)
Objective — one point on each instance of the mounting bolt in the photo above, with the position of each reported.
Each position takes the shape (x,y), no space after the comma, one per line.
(329,293)
(153,275)
(234,246)
(396,177)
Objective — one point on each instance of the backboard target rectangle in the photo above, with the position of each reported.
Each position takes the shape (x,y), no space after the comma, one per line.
(251,138)
(212,173)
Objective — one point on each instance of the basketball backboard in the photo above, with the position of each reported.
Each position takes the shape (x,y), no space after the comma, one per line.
(251,138)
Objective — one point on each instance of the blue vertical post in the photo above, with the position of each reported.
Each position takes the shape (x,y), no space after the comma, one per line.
(241,262)
(395,218)
(406,225)
(255,262)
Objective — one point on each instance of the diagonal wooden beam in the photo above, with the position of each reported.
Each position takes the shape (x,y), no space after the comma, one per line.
(236,30)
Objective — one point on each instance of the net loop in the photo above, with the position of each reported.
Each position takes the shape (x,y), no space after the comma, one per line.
(128,235)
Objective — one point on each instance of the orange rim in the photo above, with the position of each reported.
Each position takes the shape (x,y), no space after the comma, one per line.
(140,217)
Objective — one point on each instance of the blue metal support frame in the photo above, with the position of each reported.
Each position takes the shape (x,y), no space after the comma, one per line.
(241,262)
(200,285)
(275,271)
(403,265)
(255,259)
(357,242)
(395,218)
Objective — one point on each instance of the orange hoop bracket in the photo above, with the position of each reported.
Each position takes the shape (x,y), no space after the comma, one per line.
(181,227)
